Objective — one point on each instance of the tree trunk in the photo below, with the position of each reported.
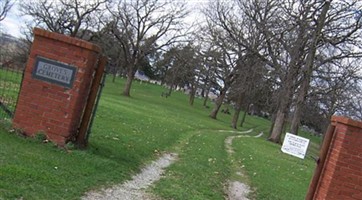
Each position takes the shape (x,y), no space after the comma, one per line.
(218,103)
(114,72)
(299,107)
(114,77)
(234,122)
(309,69)
(206,98)
(285,100)
(192,95)
(244,115)
(169,91)
(203,92)
(272,124)
(288,88)
(294,127)
(235,119)
(243,119)
(127,87)
(193,91)
(278,127)
(283,108)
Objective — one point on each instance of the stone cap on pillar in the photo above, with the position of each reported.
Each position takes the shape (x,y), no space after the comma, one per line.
(345,120)
(66,39)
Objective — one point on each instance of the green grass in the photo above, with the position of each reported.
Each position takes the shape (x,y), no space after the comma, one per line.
(10,81)
(130,132)
(34,171)
(201,171)
(274,175)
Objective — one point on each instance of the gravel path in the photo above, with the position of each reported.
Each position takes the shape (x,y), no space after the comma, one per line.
(135,189)
(237,190)
(241,132)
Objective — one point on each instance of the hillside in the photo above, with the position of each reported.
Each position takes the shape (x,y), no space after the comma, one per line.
(9,41)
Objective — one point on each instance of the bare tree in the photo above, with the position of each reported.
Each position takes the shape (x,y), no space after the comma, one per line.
(308,68)
(181,63)
(356,111)
(247,41)
(143,26)
(112,49)
(5,6)
(207,67)
(225,74)
(337,43)
(291,34)
(64,16)
(225,52)
(233,19)
(335,87)
(284,32)
(245,89)
(194,61)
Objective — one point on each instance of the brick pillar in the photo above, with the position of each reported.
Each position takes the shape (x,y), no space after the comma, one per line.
(342,174)
(55,87)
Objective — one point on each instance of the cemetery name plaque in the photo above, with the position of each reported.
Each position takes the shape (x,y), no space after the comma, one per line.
(54,72)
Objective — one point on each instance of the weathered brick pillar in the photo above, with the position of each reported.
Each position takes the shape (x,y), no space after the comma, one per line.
(341,177)
(55,87)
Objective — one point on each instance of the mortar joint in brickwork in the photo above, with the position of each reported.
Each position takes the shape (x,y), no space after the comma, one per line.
(66,39)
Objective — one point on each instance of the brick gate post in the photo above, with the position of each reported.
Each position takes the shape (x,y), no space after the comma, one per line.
(341,175)
(56,85)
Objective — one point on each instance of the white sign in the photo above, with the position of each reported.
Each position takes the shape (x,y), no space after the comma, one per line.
(295,145)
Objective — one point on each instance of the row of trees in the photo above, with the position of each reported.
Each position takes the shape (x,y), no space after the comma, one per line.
(295,59)
(299,44)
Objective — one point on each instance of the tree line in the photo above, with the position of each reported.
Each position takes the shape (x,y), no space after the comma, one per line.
(294,61)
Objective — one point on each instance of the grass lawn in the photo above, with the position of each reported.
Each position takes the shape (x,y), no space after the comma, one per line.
(130,132)
(9,89)
(274,174)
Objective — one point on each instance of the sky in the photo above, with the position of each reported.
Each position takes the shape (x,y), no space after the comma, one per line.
(13,22)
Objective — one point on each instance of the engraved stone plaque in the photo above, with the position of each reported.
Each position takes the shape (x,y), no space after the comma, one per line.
(54,72)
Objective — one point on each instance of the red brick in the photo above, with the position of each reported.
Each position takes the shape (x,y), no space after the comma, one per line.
(356,168)
(342,164)
(57,109)
(350,185)
(354,152)
(59,140)
(48,126)
(357,196)
(342,177)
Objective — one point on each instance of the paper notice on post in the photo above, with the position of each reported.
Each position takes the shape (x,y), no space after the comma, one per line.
(295,145)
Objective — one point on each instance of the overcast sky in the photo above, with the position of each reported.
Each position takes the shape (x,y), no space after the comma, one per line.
(13,22)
